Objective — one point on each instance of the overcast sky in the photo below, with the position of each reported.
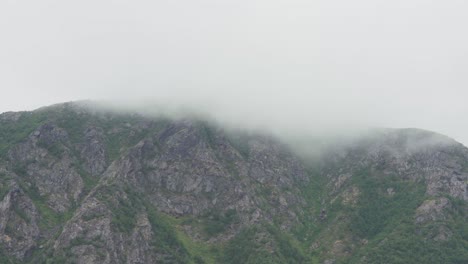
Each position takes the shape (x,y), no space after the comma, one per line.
(298,64)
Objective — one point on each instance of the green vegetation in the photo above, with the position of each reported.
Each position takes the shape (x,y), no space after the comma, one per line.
(384,219)
(20,169)
(403,246)
(21,213)
(13,132)
(89,181)
(208,132)
(3,191)
(4,186)
(124,206)
(165,239)
(73,122)
(262,244)
(240,141)
(200,252)
(215,223)
(377,210)
(313,193)
(5,259)
(49,219)
(388,222)
(55,149)
(377,227)
(119,128)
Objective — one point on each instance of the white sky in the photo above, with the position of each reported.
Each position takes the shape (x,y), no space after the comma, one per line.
(291,63)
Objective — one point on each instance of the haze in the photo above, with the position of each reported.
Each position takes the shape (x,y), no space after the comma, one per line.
(311,65)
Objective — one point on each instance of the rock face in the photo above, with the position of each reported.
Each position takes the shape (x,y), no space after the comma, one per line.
(84,186)
(18,223)
(46,161)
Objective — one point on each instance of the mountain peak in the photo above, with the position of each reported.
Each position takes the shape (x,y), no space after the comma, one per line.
(79,184)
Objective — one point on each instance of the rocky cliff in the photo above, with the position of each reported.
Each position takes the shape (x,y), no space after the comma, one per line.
(79,185)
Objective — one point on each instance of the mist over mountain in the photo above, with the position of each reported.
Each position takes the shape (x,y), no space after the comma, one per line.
(301,65)
(83,183)
(236,132)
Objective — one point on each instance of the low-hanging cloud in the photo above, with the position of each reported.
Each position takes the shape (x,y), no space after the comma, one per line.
(287,65)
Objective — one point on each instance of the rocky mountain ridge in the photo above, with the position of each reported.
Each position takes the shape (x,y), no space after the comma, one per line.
(84,186)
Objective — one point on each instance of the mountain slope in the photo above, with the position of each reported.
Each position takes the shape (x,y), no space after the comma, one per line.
(79,185)
(398,196)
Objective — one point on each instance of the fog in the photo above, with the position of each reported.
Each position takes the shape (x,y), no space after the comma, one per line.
(311,66)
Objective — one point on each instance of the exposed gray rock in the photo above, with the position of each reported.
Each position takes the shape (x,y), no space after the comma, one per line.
(93,151)
(19,218)
(432,210)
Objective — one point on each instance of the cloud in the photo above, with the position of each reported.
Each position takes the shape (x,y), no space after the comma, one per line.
(288,65)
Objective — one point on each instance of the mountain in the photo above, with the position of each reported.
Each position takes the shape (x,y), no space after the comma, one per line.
(80,185)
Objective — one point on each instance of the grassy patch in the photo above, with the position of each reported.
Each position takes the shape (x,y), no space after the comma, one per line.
(314,193)
(13,132)
(4,258)
(48,217)
(376,210)
(55,149)
(216,223)
(21,213)
(124,213)
(4,188)
(249,247)
(89,181)
(165,238)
